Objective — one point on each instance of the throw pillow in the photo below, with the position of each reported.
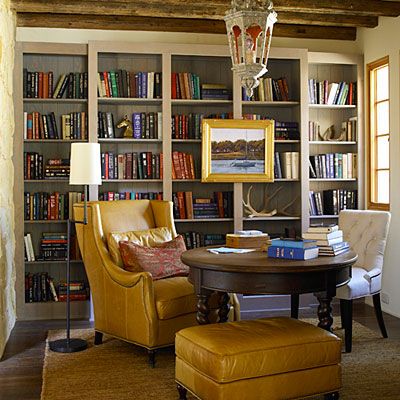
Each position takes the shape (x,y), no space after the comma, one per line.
(161,262)
(147,237)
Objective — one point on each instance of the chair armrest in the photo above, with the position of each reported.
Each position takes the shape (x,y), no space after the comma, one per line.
(372,274)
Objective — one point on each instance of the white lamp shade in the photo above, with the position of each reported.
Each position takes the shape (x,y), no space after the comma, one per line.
(85,164)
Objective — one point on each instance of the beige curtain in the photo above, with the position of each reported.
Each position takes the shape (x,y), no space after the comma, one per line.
(7,238)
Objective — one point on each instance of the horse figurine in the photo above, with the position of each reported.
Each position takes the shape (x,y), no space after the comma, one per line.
(127,124)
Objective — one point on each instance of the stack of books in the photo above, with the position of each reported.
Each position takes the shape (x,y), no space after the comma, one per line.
(294,249)
(57,168)
(329,239)
(213,91)
(251,239)
(53,246)
(78,291)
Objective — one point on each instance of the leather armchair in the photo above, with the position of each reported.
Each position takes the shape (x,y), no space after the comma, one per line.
(127,305)
(366,232)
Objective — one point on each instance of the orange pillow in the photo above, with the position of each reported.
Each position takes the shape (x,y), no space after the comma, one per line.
(162,262)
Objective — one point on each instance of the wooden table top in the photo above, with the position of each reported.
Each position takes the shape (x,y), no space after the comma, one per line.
(259,262)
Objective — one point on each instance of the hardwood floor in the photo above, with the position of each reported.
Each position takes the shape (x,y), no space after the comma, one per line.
(22,362)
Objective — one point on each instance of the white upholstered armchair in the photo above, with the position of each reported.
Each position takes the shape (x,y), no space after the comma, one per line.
(366,232)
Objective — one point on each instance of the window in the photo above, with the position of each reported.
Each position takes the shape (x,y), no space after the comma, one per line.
(378,135)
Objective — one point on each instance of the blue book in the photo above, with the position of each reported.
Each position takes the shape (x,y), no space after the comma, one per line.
(298,244)
(144,85)
(292,253)
(137,125)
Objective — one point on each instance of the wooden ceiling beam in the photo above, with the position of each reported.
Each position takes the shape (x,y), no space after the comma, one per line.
(204,9)
(112,22)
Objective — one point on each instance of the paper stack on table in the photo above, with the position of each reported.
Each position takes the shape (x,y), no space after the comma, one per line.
(228,250)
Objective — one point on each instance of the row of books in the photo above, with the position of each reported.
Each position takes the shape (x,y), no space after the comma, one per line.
(111,196)
(144,165)
(287,165)
(339,93)
(144,125)
(189,126)
(333,166)
(33,165)
(215,91)
(40,85)
(331,202)
(199,239)
(43,206)
(185,85)
(282,130)
(122,83)
(40,287)
(348,131)
(269,89)
(188,207)
(183,165)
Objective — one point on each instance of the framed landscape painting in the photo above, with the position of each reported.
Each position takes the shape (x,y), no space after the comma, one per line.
(237,150)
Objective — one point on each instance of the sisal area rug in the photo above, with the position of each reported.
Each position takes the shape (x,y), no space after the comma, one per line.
(117,370)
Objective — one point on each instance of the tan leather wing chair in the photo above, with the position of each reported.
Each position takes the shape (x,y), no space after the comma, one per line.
(129,305)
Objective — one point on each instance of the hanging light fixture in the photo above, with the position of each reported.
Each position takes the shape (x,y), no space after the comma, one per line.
(249,27)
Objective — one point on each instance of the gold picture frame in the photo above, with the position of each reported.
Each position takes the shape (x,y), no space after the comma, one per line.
(243,160)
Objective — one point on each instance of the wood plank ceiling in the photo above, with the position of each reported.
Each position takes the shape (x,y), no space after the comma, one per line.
(316,19)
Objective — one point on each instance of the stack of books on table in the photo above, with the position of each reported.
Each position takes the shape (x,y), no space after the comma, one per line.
(250,239)
(329,239)
(293,249)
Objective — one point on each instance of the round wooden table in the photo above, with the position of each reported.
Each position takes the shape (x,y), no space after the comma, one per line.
(255,273)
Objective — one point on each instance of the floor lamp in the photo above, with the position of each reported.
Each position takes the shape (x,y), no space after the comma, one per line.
(85,170)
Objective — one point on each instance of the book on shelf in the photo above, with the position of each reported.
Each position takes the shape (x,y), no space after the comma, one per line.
(147,125)
(28,246)
(74,126)
(33,166)
(185,85)
(269,89)
(126,84)
(57,168)
(44,206)
(333,166)
(287,165)
(282,130)
(41,85)
(105,125)
(186,205)
(53,246)
(183,166)
(334,93)
(78,291)
(111,196)
(199,239)
(348,131)
(331,202)
(40,126)
(39,287)
(143,165)
(210,91)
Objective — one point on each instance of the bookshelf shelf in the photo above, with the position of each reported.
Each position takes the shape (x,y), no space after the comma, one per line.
(270,103)
(332,180)
(40,262)
(332,106)
(186,180)
(274,218)
(132,180)
(48,141)
(128,100)
(324,216)
(186,140)
(286,180)
(46,181)
(286,141)
(125,141)
(51,100)
(202,102)
(204,220)
(325,142)
(47,221)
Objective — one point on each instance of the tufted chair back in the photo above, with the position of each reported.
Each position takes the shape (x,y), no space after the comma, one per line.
(366,232)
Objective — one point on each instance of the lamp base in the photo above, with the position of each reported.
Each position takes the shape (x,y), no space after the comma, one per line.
(68,345)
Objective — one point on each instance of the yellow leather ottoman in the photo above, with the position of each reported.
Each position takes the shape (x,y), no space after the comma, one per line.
(271,358)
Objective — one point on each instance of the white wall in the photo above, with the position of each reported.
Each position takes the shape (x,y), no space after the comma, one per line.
(375,44)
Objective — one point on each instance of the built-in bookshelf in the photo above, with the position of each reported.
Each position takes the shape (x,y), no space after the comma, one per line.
(138,82)
(335,135)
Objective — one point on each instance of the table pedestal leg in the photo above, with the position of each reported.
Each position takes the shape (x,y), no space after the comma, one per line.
(223,306)
(203,309)
(325,311)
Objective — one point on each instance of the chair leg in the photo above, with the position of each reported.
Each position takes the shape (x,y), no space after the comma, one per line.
(152,358)
(294,306)
(332,396)
(98,338)
(182,392)
(376,298)
(346,310)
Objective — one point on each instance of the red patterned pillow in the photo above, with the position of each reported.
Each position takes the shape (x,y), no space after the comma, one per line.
(161,262)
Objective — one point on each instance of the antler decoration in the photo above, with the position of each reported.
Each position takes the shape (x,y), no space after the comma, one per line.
(264,212)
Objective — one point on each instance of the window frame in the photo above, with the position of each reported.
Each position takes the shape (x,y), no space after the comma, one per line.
(372,138)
